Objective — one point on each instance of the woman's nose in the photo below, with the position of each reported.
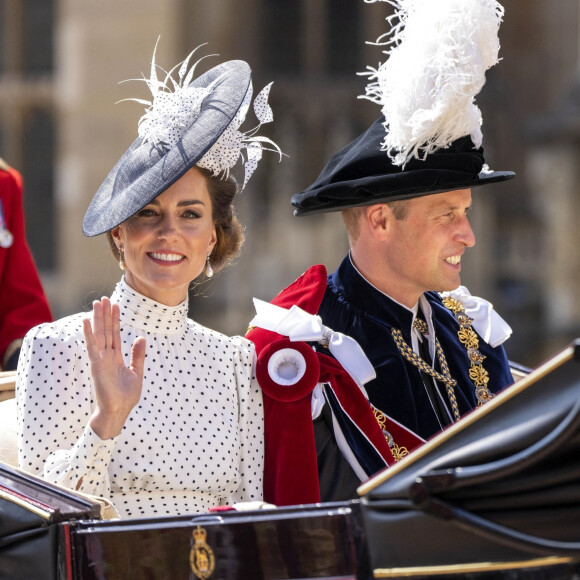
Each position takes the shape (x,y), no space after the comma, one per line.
(167,227)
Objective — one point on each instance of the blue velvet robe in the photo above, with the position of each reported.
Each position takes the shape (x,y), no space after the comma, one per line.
(353,306)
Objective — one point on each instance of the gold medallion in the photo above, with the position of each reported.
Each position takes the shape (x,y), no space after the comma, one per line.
(201,557)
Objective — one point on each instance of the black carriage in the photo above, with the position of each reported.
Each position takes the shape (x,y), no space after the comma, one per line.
(496,495)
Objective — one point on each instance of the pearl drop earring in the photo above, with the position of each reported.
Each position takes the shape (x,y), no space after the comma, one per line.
(122,264)
(208,268)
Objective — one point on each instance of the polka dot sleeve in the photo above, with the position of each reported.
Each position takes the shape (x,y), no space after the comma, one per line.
(84,467)
(55,400)
(250,424)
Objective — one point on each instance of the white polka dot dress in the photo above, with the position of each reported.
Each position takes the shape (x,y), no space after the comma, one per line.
(194,441)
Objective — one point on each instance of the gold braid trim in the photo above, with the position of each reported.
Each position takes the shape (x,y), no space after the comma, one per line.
(411,356)
(469,339)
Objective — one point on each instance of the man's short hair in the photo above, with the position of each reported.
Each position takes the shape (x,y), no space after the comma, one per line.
(351,216)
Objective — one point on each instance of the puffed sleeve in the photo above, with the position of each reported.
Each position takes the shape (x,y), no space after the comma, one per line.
(55,400)
(250,424)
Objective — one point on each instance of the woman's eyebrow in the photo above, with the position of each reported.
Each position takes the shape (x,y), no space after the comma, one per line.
(181,203)
(191,202)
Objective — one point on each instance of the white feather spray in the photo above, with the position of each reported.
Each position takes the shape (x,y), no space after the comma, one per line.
(439,51)
(170,113)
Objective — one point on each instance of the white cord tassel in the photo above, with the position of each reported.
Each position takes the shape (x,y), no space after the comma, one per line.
(438,53)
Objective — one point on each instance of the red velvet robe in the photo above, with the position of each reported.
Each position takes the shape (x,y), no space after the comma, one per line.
(290,471)
(23,303)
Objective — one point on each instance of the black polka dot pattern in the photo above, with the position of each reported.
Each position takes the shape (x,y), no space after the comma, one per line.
(195,440)
(262,109)
(225,152)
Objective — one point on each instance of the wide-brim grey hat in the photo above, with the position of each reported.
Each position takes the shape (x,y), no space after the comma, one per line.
(146,170)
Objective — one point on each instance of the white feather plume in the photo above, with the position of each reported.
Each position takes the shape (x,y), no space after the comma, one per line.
(438,53)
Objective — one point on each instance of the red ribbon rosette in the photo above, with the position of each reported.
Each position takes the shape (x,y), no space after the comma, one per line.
(288,372)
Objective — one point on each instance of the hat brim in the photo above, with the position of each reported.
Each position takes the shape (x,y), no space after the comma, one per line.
(145,171)
(377,189)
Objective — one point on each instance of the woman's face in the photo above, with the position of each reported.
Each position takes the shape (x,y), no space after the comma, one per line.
(166,243)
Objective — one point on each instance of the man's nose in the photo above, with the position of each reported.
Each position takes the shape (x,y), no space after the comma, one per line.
(465,234)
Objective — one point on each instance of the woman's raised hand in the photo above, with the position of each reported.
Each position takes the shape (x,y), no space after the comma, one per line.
(118,387)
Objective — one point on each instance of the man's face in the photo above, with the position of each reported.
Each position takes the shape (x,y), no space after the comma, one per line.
(423,251)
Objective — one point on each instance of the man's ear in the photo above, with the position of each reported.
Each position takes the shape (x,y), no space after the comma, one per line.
(377,218)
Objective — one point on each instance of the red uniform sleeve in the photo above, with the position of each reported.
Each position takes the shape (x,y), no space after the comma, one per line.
(23,303)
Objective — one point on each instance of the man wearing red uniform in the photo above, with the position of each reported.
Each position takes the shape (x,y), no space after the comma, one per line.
(23,303)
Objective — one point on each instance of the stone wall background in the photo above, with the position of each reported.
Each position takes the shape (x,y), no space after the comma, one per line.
(61,62)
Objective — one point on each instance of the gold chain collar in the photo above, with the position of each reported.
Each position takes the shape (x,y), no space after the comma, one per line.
(477,373)
(411,356)
(398,451)
(469,339)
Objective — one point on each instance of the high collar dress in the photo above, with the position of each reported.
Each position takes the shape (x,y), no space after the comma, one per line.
(195,439)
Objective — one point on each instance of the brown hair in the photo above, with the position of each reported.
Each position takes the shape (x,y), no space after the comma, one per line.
(351,216)
(229,231)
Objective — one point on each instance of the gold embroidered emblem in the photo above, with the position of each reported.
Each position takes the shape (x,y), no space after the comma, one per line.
(455,306)
(201,556)
(468,337)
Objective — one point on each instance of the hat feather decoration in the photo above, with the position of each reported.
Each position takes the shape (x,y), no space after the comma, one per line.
(171,112)
(438,53)
(228,148)
(428,139)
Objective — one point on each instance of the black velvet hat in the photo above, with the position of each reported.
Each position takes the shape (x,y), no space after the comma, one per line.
(195,124)
(429,138)
(362,174)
